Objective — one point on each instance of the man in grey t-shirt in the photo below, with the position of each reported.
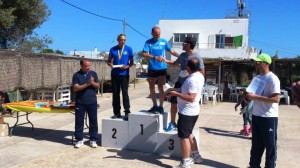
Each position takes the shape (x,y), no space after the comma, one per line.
(188,46)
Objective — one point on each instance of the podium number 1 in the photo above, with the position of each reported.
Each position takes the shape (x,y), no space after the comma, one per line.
(114,134)
(142,130)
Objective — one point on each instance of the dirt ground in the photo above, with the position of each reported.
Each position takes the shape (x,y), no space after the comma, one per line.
(49,145)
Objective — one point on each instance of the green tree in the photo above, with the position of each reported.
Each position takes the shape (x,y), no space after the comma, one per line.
(140,58)
(33,43)
(59,52)
(48,50)
(18,19)
(104,55)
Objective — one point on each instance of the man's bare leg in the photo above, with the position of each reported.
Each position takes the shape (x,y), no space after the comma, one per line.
(173,112)
(194,150)
(160,83)
(151,82)
(185,148)
(193,142)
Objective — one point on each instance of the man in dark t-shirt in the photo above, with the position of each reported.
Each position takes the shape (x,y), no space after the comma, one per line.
(85,82)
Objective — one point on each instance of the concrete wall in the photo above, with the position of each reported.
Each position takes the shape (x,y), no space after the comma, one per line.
(207,29)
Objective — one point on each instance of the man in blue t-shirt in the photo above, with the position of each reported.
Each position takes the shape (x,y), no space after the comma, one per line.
(120,60)
(154,51)
(85,82)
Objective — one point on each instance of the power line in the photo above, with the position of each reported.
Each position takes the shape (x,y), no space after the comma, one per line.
(104,17)
(136,30)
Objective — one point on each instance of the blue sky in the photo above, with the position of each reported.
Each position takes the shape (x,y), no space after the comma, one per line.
(274,24)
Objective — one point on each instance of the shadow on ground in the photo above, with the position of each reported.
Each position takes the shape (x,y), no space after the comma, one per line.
(155,159)
(212,163)
(225,133)
(42,134)
(145,157)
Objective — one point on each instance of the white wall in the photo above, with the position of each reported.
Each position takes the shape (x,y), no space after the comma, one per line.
(207,29)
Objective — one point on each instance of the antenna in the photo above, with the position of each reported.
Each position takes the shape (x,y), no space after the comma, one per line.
(124,26)
(241,7)
(239,12)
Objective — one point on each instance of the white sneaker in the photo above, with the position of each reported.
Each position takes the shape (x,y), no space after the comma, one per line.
(185,164)
(93,144)
(197,159)
(78,144)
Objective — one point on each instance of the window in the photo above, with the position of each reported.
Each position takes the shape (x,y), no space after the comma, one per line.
(179,37)
(228,42)
(220,40)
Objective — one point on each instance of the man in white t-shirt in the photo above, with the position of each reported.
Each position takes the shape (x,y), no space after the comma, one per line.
(188,46)
(265,114)
(188,105)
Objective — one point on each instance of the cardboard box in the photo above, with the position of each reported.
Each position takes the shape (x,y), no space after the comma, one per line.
(4,129)
(1,119)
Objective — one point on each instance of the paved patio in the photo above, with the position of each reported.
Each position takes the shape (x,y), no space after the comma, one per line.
(49,145)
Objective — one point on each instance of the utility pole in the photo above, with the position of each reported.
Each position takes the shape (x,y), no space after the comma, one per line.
(124,25)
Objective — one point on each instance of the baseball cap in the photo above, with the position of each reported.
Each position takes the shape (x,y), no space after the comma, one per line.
(263,58)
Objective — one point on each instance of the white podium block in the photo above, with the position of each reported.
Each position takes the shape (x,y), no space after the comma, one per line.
(114,133)
(168,143)
(162,121)
(143,127)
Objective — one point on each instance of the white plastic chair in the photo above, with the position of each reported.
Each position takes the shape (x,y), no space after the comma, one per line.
(212,93)
(63,94)
(220,91)
(284,94)
(233,96)
(203,97)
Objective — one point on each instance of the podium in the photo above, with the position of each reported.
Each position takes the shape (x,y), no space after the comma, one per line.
(143,132)
(114,133)
(168,143)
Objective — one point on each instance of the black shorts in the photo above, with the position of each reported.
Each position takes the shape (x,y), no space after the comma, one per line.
(157,73)
(173,99)
(185,125)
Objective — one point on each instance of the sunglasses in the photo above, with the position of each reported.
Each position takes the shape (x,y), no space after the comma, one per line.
(184,43)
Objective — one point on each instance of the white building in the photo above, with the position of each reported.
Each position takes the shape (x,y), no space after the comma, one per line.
(216,38)
(95,54)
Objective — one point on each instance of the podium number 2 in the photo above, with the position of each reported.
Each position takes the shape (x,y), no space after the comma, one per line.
(142,130)
(171,147)
(114,134)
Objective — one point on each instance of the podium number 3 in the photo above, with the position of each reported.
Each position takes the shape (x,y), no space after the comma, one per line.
(114,134)
(142,129)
